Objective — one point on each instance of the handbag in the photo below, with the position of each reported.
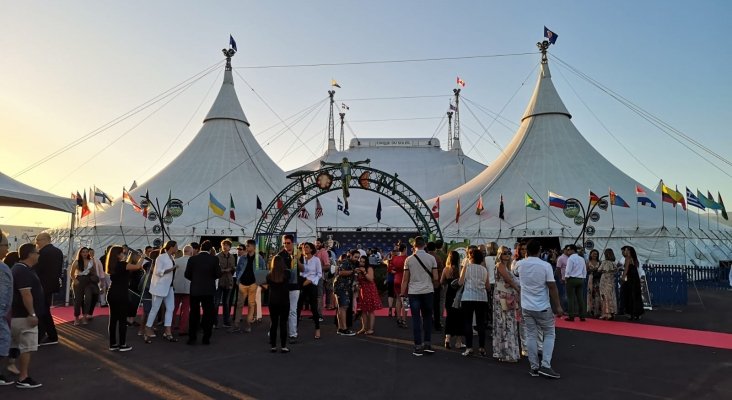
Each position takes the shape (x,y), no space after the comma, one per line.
(458,302)
(507,300)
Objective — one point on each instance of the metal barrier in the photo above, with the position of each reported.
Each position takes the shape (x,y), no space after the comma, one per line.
(669,284)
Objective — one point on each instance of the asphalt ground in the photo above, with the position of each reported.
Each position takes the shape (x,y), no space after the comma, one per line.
(240,366)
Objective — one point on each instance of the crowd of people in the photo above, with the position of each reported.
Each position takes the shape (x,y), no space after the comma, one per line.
(511,296)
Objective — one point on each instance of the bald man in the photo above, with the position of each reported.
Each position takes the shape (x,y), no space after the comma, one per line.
(49,267)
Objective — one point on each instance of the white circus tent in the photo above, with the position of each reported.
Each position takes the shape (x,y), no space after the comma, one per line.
(548,153)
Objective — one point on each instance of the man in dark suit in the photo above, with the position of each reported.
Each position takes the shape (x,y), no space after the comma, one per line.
(49,266)
(202,270)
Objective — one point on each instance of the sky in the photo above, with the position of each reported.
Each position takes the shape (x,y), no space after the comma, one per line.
(69,68)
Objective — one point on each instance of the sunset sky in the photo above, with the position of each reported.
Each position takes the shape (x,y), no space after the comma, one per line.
(69,68)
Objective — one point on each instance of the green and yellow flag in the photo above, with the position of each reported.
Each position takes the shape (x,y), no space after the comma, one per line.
(531,203)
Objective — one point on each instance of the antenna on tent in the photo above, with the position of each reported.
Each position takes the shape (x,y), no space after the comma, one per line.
(543,47)
(456,128)
(449,130)
(331,124)
(343,136)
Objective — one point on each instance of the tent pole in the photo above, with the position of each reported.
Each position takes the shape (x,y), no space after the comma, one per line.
(663,216)
(68,256)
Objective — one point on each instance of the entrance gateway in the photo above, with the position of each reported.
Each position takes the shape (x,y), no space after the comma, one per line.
(343,176)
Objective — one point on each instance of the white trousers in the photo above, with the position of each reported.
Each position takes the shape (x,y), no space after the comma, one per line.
(292,317)
(169,308)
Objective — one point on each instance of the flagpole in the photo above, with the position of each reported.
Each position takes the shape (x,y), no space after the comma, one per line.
(526,214)
(122,209)
(612,215)
(687,217)
(676,212)
(663,214)
(637,206)
(208,215)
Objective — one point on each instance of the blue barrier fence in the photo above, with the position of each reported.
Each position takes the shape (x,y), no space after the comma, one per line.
(668,284)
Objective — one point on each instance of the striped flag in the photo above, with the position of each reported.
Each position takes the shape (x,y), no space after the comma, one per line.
(215,205)
(232,213)
(303,213)
(557,201)
(594,199)
(436,208)
(460,82)
(318,209)
(618,201)
(693,200)
(642,197)
(126,197)
(479,207)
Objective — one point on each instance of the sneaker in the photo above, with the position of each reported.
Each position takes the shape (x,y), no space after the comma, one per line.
(534,372)
(347,332)
(418,352)
(467,352)
(5,381)
(427,349)
(113,348)
(248,330)
(124,348)
(27,383)
(284,350)
(549,373)
(47,342)
(273,350)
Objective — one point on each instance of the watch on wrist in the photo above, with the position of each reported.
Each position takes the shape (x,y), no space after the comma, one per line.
(33,315)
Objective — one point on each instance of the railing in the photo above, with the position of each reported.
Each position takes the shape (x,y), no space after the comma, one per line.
(669,284)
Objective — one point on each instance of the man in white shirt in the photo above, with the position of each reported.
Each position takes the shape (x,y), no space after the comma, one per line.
(420,274)
(575,275)
(537,289)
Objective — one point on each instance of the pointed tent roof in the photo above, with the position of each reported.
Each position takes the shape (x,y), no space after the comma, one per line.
(224,159)
(17,194)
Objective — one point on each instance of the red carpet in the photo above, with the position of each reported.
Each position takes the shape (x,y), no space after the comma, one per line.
(634,330)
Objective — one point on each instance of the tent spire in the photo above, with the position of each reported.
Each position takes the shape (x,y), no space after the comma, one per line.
(456,128)
(226,105)
(343,136)
(449,130)
(331,124)
(543,47)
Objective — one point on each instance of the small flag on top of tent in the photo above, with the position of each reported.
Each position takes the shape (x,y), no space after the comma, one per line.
(232,43)
(617,201)
(721,205)
(642,197)
(126,197)
(594,199)
(85,207)
(557,201)
(551,36)
(334,83)
(460,82)
(436,209)
(693,200)
(378,211)
(501,210)
(341,208)
(479,207)
(318,209)
(457,211)
(531,203)
(232,213)
(215,205)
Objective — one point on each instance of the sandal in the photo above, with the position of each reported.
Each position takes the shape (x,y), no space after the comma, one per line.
(368,333)
(146,339)
(170,338)
(482,352)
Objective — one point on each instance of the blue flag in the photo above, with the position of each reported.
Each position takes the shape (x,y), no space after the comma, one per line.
(232,42)
(693,200)
(378,211)
(551,36)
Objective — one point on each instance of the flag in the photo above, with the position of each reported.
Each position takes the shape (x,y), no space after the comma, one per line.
(318,209)
(681,200)
(345,107)
(501,210)
(617,201)
(704,200)
(79,199)
(302,211)
(378,211)
(642,197)
(669,195)
(100,197)
(144,210)
(715,205)
(531,203)
(594,199)
(721,205)
(259,205)
(479,207)
(126,196)
(170,197)
(342,208)
(436,209)
(557,201)
(452,106)
(551,36)
(215,205)
(232,43)
(232,208)
(460,82)
(334,83)
(280,205)
(693,200)
(457,212)
(133,186)
(85,207)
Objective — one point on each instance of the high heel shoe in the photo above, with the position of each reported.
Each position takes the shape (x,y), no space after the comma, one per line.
(146,339)
(169,338)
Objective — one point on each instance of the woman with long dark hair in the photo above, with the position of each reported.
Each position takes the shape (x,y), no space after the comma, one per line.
(84,276)
(368,299)
(609,304)
(631,285)
(475,282)
(119,272)
(454,319)
(311,274)
(279,303)
(594,301)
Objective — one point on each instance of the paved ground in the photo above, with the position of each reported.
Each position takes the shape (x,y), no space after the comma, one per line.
(239,366)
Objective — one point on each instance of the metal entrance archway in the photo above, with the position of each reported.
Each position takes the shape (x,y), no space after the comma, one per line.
(309,185)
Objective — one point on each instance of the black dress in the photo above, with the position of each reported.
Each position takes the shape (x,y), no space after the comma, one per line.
(454,320)
(632,297)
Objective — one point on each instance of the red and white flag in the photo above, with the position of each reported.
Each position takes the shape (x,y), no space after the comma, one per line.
(436,209)
(318,209)
(460,82)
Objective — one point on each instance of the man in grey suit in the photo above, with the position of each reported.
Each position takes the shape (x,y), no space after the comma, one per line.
(202,270)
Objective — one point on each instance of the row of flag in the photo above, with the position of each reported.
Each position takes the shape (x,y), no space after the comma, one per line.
(96,195)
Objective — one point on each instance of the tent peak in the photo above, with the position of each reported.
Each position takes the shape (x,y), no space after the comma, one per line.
(226,105)
(545,99)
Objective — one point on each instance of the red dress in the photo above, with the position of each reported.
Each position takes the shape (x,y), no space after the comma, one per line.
(368,299)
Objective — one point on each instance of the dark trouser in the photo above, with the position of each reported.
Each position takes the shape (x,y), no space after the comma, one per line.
(118,309)
(223,296)
(309,293)
(206,323)
(83,295)
(576,297)
(478,308)
(278,316)
(437,308)
(46,327)
(421,307)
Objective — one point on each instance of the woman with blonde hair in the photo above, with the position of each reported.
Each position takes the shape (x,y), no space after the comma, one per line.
(506,345)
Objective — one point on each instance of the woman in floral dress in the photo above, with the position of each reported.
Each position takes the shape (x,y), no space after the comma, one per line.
(368,300)
(609,303)
(594,303)
(506,345)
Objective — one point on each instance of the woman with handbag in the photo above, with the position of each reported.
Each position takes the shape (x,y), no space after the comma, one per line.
(475,282)
(506,346)
(84,276)
(454,319)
